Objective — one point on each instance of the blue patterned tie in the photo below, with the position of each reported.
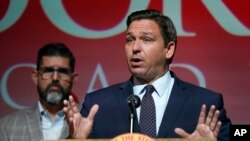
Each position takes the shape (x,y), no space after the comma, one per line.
(148,115)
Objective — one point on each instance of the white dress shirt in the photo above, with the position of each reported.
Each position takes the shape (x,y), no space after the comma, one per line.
(51,128)
(163,87)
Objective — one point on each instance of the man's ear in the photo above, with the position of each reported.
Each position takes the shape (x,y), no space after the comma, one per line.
(170,49)
(75,78)
(34,76)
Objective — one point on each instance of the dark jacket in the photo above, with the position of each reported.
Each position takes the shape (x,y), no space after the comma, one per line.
(182,110)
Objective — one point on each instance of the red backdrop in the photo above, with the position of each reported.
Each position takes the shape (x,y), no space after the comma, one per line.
(213,45)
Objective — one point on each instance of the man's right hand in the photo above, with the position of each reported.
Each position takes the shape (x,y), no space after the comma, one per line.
(79,127)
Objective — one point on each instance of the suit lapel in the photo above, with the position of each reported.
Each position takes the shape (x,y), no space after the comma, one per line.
(34,123)
(174,106)
(127,89)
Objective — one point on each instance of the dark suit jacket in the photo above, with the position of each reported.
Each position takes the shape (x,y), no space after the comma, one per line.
(25,125)
(182,110)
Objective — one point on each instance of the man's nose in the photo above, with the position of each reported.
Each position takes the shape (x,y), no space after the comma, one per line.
(55,75)
(136,47)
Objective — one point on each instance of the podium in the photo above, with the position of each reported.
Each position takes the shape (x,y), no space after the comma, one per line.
(134,137)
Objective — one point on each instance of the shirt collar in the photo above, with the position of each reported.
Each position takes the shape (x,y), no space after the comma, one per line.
(44,112)
(159,85)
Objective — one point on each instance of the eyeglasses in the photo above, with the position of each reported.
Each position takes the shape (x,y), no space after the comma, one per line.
(63,73)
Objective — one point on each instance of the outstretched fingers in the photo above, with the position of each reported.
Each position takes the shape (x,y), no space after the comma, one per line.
(217,129)
(202,117)
(181,133)
(210,122)
(208,125)
(210,115)
(214,120)
(70,108)
(94,109)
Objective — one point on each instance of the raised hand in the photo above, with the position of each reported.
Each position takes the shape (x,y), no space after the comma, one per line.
(207,127)
(79,127)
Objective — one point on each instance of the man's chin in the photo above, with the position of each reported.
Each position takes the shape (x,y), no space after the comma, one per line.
(139,74)
(54,98)
(54,102)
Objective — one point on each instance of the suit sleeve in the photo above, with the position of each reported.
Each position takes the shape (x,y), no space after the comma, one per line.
(226,123)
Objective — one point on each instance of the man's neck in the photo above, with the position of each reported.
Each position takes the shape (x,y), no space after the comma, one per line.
(52,109)
(146,79)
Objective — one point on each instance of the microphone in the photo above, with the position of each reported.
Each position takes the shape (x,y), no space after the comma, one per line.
(133,103)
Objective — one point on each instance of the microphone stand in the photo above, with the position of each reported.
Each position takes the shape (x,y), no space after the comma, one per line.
(132,112)
(133,102)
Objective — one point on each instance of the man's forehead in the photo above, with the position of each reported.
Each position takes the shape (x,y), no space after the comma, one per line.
(143,26)
(55,61)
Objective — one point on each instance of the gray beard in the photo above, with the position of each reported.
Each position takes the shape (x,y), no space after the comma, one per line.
(54,97)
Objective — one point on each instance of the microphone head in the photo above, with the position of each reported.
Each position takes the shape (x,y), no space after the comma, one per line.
(134,101)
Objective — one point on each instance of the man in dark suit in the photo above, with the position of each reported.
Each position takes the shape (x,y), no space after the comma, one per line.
(54,78)
(179,108)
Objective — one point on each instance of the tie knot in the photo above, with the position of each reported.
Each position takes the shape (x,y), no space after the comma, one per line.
(149,89)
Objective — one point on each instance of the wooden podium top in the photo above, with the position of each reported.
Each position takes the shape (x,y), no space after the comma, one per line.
(134,137)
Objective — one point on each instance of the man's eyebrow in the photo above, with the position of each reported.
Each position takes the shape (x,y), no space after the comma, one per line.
(147,33)
(129,33)
(48,67)
(143,33)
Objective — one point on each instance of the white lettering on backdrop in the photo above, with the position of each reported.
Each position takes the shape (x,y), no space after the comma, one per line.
(4,91)
(225,18)
(99,72)
(172,8)
(66,24)
(14,12)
